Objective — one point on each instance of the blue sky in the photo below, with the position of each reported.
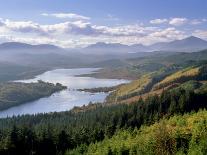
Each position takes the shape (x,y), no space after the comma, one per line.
(76,23)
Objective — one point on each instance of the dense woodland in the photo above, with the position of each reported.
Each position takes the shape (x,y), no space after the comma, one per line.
(177,135)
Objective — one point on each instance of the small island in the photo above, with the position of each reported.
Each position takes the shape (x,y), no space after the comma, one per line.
(100,89)
(16,93)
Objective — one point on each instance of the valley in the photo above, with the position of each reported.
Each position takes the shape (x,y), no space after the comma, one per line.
(72,95)
(110,77)
(104,98)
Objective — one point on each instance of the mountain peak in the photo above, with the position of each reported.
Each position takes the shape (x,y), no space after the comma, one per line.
(107,45)
(193,38)
(19,45)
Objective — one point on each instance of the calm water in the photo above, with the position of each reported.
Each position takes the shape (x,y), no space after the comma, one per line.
(66,99)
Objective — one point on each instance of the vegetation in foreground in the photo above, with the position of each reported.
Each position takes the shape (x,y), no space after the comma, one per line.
(57,132)
(123,128)
(178,135)
(15,93)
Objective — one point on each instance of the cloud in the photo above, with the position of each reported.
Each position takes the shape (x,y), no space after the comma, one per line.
(67,15)
(81,33)
(76,28)
(126,30)
(23,26)
(168,34)
(159,21)
(204,20)
(178,21)
(196,22)
(1,22)
(200,33)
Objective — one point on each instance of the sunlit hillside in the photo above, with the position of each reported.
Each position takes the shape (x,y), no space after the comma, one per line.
(177,135)
(182,76)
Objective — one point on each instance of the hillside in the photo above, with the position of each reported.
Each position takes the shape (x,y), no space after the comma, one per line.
(134,88)
(156,82)
(13,94)
(191,73)
(177,135)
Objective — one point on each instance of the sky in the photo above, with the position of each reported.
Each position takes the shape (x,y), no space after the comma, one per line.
(79,23)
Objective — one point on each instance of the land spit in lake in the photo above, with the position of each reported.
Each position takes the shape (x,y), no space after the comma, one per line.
(68,98)
(17,93)
(100,89)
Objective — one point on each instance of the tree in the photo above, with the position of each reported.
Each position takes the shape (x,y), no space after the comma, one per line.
(63,142)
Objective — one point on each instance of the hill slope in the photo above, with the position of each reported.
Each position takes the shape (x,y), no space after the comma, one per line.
(191,73)
(178,135)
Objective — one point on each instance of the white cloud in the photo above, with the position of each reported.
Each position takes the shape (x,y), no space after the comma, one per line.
(178,21)
(67,15)
(81,33)
(196,22)
(204,20)
(167,34)
(23,26)
(158,21)
(76,27)
(200,33)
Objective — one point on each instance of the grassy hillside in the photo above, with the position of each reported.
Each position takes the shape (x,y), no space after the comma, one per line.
(189,73)
(141,85)
(178,135)
(154,83)
(180,76)
(136,87)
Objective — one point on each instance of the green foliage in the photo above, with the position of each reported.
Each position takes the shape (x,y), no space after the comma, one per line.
(168,137)
(57,132)
(14,93)
(115,129)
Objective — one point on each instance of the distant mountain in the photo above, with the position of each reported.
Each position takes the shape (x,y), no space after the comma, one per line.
(189,44)
(18,45)
(114,48)
(102,48)
(140,48)
(106,45)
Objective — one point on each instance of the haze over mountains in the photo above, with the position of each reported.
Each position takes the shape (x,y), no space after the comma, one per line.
(18,45)
(99,54)
(189,44)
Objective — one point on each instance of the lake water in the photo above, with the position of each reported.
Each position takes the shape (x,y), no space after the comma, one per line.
(66,99)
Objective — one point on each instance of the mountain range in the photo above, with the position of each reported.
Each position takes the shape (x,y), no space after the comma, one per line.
(189,44)
(18,45)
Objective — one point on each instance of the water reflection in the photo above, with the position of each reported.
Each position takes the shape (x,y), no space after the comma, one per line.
(65,99)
